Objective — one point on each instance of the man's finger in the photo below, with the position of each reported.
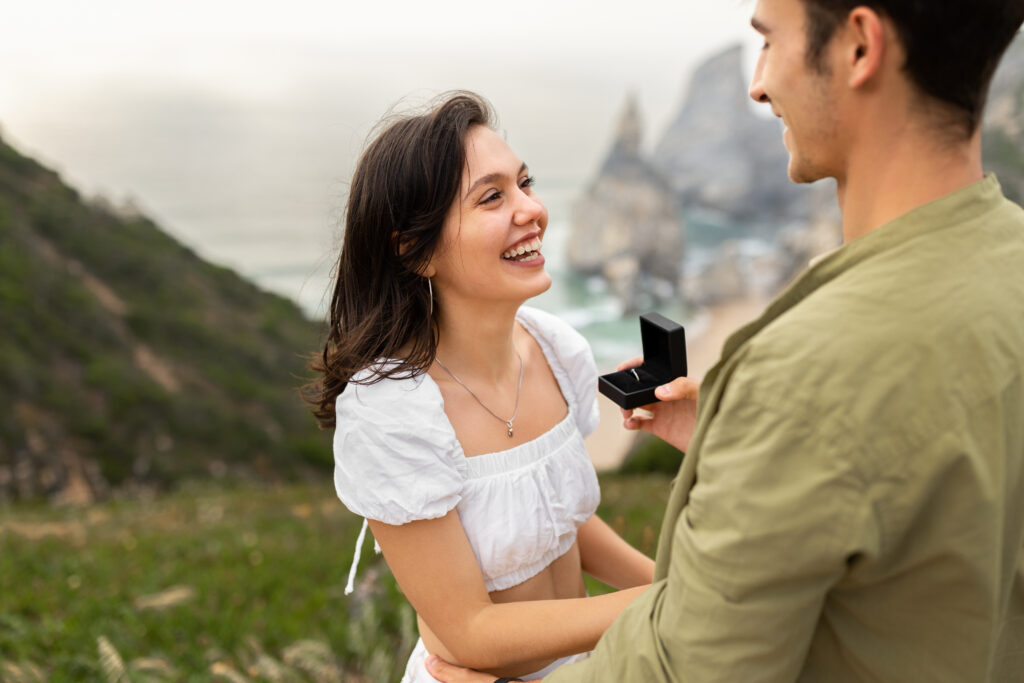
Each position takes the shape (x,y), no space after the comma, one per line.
(440,669)
(679,388)
(450,673)
(640,419)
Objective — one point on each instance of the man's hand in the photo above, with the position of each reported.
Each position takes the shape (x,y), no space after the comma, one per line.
(449,673)
(674,418)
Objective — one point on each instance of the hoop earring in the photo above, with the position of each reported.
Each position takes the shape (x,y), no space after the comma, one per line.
(430,289)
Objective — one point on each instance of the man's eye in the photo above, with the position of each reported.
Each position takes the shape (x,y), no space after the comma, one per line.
(764,46)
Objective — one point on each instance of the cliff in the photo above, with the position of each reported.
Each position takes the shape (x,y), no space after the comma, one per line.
(751,229)
(127,361)
(628,226)
(718,161)
(719,155)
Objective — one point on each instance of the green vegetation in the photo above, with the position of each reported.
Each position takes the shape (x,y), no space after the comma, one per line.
(124,350)
(205,584)
(129,366)
(652,455)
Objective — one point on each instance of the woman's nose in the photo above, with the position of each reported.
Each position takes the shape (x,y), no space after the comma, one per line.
(529,208)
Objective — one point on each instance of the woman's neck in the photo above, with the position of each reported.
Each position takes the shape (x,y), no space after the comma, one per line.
(477,341)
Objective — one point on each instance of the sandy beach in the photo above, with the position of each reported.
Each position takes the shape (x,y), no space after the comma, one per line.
(609,443)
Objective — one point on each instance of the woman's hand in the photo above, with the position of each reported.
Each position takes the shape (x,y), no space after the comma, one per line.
(674,418)
(449,673)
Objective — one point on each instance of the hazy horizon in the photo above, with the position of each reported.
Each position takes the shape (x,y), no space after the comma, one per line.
(236,126)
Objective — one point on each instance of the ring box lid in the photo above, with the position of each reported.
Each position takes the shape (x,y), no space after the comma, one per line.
(664,346)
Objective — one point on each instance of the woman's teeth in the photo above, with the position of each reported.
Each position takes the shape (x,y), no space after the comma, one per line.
(531,250)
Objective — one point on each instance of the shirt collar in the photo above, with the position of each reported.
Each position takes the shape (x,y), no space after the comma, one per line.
(965,204)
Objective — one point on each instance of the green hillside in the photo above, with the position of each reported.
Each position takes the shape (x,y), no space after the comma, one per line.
(126,360)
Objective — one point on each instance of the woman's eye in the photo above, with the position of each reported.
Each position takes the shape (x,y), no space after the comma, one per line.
(764,46)
(528,181)
(490,198)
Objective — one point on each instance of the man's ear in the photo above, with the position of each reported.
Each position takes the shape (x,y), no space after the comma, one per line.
(865,45)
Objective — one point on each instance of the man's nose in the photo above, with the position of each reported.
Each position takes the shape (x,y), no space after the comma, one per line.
(756,90)
(758,94)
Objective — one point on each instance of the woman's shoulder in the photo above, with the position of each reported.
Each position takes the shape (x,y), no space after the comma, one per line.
(396,456)
(401,404)
(570,358)
(373,385)
(557,337)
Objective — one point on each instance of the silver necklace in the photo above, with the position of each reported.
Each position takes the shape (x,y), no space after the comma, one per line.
(508,422)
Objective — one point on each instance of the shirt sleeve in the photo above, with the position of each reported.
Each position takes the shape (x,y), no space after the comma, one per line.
(396,458)
(770,524)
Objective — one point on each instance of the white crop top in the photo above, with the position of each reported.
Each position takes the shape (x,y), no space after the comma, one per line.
(397,460)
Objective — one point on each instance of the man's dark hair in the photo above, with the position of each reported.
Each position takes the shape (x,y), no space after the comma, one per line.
(952,46)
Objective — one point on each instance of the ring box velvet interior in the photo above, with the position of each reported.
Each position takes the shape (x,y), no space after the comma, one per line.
(664,343)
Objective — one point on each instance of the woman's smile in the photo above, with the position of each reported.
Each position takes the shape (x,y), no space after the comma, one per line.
(498,216)
(527,252)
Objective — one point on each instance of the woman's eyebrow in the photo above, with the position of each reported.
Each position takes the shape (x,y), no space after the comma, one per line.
(489,178)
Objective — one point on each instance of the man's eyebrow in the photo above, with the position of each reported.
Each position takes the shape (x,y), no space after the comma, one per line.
(490,178)
(758,26)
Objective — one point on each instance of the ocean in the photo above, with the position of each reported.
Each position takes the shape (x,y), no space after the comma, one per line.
(252,191)
(584,302)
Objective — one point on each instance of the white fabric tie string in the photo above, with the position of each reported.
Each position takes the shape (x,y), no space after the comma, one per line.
(351,585)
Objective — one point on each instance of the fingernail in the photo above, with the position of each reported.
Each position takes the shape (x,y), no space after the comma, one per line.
(663,391)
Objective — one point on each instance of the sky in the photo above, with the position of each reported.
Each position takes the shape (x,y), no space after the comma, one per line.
(237,124)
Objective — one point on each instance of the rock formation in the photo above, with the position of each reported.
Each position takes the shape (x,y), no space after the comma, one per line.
(628,226)
(718,154)
(720,159)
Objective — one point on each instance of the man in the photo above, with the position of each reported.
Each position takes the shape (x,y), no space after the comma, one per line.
(851,507)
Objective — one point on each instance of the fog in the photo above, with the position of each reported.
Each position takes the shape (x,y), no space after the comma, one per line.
(236,125)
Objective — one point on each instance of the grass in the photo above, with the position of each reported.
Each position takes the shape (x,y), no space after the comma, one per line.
(213,584)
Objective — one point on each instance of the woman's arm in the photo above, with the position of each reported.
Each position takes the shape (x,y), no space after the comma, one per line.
(609,559)
(438,572)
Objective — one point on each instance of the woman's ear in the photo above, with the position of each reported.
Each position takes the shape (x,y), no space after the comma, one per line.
(403,245)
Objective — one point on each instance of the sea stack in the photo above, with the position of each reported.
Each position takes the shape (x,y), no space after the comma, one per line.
(627,226)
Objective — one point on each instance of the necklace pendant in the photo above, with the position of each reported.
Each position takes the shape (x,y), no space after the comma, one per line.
(509,423)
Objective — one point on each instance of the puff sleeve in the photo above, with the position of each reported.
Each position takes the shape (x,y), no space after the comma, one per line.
(396,458)
(572,363)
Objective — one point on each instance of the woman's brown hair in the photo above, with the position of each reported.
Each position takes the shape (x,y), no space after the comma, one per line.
(404,185)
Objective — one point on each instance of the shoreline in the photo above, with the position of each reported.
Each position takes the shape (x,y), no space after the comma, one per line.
(610,443)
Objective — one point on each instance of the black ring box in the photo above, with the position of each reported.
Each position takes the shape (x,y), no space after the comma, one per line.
(664,344)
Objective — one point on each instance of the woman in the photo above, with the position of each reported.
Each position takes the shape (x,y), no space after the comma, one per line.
(459,414)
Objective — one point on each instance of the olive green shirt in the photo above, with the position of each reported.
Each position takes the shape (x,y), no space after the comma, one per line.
(851,507)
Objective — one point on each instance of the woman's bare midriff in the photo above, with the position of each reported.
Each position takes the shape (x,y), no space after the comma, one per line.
(561,579)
